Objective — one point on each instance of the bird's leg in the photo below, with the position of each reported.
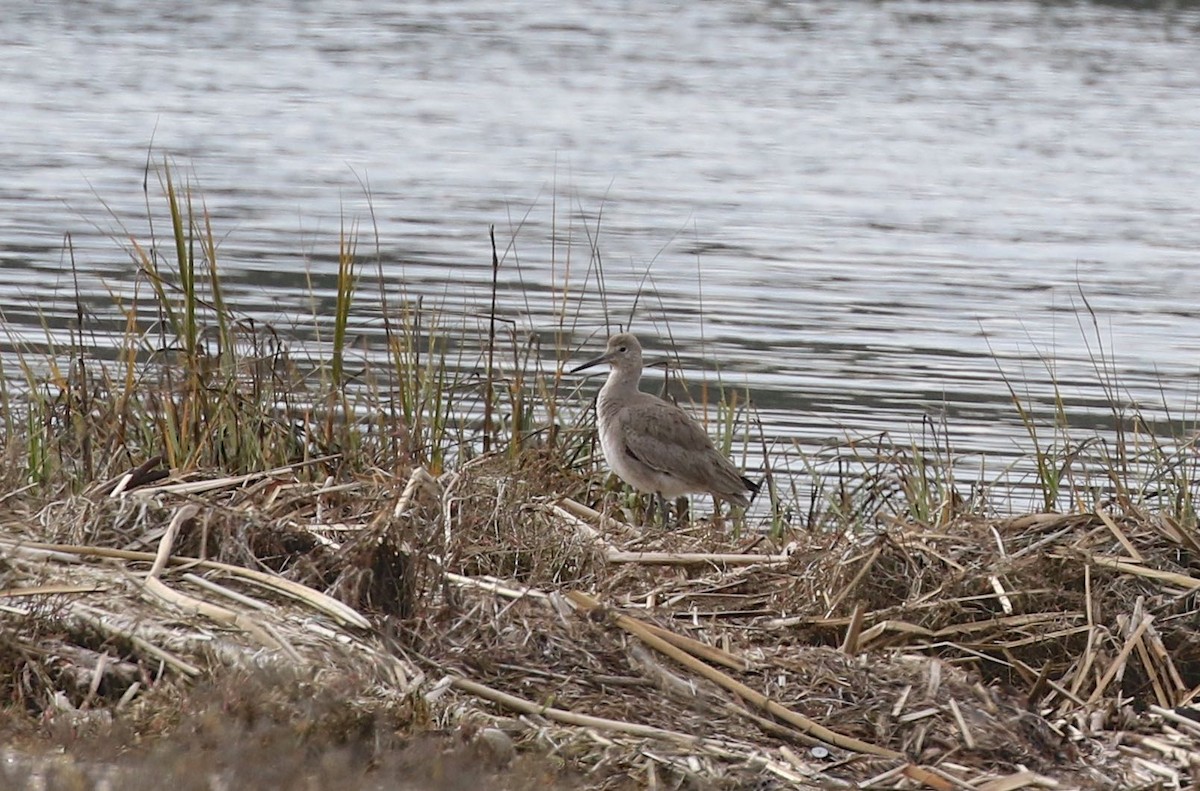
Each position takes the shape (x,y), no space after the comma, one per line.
(653,506)
(661,502)
(683,511)
(718,522)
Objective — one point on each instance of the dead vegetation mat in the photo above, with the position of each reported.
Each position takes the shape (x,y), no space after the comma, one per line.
(522,639)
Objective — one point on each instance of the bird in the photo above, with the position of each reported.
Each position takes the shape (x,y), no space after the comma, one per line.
(652,444)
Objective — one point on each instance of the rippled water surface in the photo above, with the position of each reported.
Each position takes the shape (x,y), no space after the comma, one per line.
(864,212)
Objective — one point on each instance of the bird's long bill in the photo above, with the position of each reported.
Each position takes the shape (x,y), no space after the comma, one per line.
(590,364)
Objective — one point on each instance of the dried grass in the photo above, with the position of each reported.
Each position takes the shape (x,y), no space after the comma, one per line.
(1044,651)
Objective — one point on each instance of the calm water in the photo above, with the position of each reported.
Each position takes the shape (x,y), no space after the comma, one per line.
(861,211)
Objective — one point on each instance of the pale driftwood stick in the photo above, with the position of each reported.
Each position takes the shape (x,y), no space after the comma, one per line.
(138,476)
(581,511)
(168,540)
(1179,754)
(920,714)
(314,598)
(157,589)
(692,558)
(587,604)
(49,590)
(1182,580)
(124,480)
(1001,594)
(196,487)
(1185,723)
(579,524)
(419,478)
(878,780)
(898,707)
(807,620)
(999,541)
(569,717)
(508,591)
(221,590)
(329,488)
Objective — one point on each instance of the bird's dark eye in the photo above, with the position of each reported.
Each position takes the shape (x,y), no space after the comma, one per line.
(622,348)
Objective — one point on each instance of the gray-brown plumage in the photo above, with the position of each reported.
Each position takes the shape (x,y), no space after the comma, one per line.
(653,445)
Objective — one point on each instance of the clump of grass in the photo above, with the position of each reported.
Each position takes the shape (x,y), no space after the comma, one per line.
(186,377)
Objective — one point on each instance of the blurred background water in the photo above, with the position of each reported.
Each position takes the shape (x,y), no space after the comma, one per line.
(865,213)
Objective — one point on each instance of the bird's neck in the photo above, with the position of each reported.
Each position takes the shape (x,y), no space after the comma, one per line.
(620,384)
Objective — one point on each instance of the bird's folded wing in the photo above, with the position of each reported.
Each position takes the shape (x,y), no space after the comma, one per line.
(666,439)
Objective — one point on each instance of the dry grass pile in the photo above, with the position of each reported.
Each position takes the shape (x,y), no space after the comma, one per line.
(1046,651)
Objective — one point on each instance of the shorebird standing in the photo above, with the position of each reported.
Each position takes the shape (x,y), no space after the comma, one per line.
(652,444)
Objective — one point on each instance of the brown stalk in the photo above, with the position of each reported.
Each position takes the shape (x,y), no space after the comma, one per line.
(589,605)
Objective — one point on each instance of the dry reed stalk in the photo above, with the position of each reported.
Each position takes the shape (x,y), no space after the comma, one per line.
(929,778)
(315,599)
(853,584)
(699,649)
(589,605)
(1130,549)
(49,590)
(155,588)
(851,644)
(1182,580)
(97,619)
(580,511)
(212,484)
(1117,666)
(1184,723)
(420,478)
(532,709)
(968,738)
(221,590)
(1017,781)
(510,591)
(694,558)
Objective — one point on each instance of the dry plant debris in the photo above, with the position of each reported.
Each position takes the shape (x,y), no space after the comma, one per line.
(1047,651)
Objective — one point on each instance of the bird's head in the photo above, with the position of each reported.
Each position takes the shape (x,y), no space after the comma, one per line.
(623,353)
